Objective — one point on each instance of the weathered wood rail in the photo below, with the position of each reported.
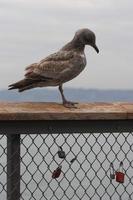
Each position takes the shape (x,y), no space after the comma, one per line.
(54,111)
(38,118)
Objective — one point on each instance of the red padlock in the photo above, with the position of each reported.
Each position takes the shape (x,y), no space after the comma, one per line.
(56,173)
(120,174)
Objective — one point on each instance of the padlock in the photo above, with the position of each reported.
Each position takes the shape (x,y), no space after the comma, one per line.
(120,174)
(56,173)
(112,171)
(61,153)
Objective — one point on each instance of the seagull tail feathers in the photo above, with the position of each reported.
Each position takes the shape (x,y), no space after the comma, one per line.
(22,85)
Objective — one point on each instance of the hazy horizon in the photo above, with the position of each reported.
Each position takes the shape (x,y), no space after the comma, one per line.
(75,94)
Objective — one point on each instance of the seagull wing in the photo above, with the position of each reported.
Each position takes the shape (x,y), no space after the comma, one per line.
(51,67)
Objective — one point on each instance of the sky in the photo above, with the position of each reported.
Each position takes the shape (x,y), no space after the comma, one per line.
(30,30)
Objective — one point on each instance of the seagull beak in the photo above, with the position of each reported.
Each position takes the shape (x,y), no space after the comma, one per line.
(96,48)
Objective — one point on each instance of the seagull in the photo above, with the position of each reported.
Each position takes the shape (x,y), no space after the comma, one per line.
(60,67)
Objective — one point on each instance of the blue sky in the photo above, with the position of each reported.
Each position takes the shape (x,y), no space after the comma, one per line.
(33,29)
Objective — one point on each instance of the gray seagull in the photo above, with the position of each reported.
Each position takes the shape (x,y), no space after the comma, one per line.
(60,67)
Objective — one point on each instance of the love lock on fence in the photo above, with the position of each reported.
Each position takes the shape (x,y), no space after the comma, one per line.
(112,171)
(120,174)
(56,173)
(61,153)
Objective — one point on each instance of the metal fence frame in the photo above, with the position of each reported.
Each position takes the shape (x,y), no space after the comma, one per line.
(13,130)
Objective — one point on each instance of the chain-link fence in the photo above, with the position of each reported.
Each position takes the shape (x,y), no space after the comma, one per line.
(3,167)
(71,166)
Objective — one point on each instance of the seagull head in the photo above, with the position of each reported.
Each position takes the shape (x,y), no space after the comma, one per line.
(86,37)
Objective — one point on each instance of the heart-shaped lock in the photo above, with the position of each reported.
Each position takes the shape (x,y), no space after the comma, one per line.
(112,171)
(61,153)
(120,176)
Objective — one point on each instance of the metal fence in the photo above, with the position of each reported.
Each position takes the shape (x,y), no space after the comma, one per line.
(28,161)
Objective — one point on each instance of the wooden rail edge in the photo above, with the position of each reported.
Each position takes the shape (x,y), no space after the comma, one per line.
(56,111)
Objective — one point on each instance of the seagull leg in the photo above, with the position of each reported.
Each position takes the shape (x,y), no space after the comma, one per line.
(67,104)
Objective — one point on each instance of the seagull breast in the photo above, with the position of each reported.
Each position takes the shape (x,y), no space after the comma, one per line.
(75,66)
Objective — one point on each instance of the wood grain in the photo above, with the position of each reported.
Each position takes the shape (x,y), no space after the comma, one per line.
(55,111)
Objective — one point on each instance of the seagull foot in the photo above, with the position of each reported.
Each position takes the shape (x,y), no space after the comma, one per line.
(69,104)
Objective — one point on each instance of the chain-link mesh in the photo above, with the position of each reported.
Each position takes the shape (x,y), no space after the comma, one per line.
(3,167)
(85,172)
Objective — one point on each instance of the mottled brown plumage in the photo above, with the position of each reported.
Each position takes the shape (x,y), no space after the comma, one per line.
(59,67)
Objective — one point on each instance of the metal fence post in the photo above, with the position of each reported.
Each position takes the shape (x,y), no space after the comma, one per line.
(13,167)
